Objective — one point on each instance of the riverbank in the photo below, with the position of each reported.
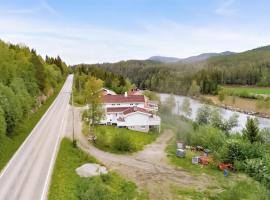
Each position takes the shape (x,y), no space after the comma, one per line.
(238,104)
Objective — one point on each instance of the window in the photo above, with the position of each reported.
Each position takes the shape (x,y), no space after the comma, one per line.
(143,127)
(113,104)
(137,104)
(131,104)
(118,104)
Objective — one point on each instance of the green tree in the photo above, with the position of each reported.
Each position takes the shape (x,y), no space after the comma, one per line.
(194,89)
(185,107)
(251,131)
(151,95)
(93,97)
(11,106)
(221,95)
(203,115)
(40,71)
(3,124)
(216,119)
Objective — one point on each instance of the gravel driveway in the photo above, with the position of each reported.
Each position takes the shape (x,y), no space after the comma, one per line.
(149,168)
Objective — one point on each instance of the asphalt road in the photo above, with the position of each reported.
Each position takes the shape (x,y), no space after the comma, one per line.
(27,175)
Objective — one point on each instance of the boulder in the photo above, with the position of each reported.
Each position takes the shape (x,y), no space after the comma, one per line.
(91,169)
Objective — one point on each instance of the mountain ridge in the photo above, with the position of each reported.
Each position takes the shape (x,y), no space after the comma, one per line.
(191,59)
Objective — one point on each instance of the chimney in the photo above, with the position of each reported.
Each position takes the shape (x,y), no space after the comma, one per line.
(126,94)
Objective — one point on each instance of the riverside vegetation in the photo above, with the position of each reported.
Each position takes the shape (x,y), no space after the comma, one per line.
(248,151)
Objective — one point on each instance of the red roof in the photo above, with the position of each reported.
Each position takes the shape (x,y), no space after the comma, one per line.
(134,92)
(123,98)
(119,109)
(135,109)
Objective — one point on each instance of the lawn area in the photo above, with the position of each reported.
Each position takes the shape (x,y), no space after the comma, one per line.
(122,140)
(66,184)
(247,90)
(9,145)
(236,186)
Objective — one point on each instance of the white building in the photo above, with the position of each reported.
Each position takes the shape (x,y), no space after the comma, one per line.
(129,111)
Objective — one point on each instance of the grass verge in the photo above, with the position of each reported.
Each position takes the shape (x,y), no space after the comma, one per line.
(122,140)
(10,145)
(238,91)
(66,184)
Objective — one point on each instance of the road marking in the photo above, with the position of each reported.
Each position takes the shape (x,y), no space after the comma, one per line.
(28,137)
(53,159)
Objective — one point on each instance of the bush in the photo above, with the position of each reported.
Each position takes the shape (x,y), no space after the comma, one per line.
(99,191)
(102,139)
(105,187)
(239,150)
(259,168)
(122,142)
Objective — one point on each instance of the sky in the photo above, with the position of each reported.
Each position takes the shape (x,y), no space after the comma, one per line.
(91,31)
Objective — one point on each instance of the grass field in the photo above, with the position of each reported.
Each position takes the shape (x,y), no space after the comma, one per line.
(236,186)
(238,90)
(66,184)
(121,140)
(9,145)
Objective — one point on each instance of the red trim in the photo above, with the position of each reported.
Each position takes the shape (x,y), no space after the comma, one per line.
(123,99)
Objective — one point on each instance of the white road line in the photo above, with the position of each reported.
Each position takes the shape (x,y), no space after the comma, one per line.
(55,152)
(28,137)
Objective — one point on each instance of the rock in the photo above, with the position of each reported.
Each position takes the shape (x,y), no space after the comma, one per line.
(91,169)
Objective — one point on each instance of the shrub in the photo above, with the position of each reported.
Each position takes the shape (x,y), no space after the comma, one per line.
(239,150)
(203,115)
(99,191)
(102,139)
(259,168)
(122,142)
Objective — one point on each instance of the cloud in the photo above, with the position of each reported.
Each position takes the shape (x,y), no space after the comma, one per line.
(226,8)
(39,6)
(77,43)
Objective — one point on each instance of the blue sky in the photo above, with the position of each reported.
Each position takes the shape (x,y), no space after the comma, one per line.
(112,30)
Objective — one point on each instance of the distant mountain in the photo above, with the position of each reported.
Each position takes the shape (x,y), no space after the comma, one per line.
(164,59)
(191,59)
(205,56)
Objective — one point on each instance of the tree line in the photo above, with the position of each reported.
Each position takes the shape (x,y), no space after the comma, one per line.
(247,68)
(26,80)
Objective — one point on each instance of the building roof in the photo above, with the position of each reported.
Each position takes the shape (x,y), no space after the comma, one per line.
(117,109)
(136,92)
(135,109)
(123,98)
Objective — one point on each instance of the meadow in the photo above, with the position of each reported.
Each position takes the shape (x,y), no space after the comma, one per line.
(121,140)
(241,90)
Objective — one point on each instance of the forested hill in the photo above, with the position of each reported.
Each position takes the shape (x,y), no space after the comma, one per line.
(161,77)
(247,68)
(26,80)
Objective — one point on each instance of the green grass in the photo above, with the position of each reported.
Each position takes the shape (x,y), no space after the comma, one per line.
(235,186)
(186,163)
(66,184)
(9,145)
(248,90)
(239,190)
(109,139)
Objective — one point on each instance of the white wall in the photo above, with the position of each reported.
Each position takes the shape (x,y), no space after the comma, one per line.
(137,119)
(116,105)
(139,128)
(112,117)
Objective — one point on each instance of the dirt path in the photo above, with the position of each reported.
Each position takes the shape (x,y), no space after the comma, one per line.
(147,168)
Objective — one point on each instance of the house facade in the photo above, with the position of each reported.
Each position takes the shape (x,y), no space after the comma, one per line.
(130,111)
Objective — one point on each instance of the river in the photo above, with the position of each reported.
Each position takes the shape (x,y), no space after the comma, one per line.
(195,105)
